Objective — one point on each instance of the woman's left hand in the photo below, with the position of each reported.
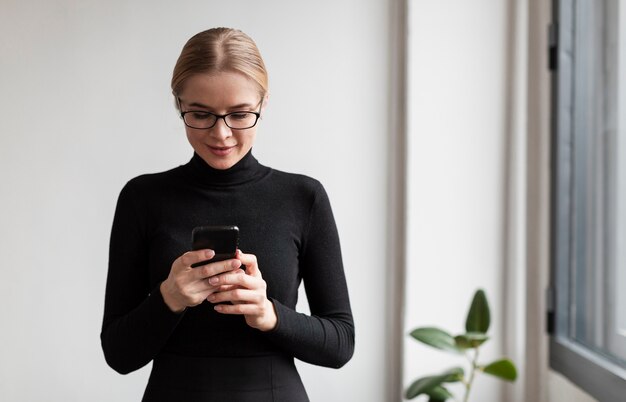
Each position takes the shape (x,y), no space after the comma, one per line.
(248,293)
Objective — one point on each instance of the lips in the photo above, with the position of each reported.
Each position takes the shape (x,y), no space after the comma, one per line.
(220,151)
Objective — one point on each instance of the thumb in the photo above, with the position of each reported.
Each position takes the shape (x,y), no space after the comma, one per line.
(250,263)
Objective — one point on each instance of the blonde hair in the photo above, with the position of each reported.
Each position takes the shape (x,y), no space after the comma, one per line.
(220,50)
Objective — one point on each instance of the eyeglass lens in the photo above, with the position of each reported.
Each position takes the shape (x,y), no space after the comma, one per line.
(237,120)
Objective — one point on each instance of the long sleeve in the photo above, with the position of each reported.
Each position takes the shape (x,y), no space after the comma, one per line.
(137,322)
(326,337)
(284,219)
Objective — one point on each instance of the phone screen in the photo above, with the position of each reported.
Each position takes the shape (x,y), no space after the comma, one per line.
(221,239)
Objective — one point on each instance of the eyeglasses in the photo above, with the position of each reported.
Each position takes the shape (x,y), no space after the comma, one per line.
(200,119)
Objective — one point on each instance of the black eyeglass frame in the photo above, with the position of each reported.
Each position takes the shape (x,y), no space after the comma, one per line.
(219,116)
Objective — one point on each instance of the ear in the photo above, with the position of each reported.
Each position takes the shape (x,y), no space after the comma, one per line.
(176,102)
(266,100)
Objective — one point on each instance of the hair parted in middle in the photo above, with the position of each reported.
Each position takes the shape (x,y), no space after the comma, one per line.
(220,50)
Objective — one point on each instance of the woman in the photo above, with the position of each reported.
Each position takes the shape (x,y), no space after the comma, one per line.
(217,332)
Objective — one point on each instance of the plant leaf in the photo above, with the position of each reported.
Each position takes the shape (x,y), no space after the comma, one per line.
(423,386)
(454,374)
(478,317)
(503,368)
(426,385)
(470,340)
(437,338)
(462,342)
(439,394)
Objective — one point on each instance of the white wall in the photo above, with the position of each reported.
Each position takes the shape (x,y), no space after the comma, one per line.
(86,106)
(456,98)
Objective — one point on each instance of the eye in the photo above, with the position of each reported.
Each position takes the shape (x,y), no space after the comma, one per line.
(200,115)
(240,115)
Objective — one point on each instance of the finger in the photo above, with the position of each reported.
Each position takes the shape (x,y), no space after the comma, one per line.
(193,257)
(238,295)
(203,288)
(216,268)
(224,288)
(250,261)
(237,309)
(236,277)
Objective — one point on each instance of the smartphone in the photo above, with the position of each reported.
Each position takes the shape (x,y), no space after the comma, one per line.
(224,240)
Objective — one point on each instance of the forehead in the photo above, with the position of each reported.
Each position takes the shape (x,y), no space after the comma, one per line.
(219,91)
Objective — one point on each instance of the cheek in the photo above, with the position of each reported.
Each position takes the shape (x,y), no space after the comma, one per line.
(192,137)
(247,138)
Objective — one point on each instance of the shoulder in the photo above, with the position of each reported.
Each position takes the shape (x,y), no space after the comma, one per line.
(150,182)
(298,183)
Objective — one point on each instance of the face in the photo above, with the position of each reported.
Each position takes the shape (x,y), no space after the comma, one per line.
(220,146)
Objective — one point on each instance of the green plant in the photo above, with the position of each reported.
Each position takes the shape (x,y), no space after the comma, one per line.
(467,344)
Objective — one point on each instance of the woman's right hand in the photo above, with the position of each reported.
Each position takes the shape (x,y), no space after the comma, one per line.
(186,286)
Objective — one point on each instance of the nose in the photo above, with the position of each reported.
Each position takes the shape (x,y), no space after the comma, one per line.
(220,130)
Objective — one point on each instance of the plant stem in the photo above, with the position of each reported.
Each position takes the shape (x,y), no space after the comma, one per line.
(468,386)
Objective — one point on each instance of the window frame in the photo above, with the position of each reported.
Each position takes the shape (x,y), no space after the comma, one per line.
(602,378)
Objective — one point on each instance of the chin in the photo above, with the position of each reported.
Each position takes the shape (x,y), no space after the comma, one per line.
(223,166)
(218,163)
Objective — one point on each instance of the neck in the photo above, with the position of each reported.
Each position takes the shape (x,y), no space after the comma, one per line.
(246,170)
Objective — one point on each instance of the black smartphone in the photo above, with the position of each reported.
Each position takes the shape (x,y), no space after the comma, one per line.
(224,240)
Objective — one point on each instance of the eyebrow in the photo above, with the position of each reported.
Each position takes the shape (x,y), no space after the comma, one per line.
(234,107)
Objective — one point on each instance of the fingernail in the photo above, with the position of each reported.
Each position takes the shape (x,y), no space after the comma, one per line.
(209,253)
(213,280)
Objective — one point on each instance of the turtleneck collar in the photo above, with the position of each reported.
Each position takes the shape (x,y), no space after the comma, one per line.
(246,170)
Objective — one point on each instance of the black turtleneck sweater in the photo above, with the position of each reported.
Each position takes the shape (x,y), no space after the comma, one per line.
(284,219)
